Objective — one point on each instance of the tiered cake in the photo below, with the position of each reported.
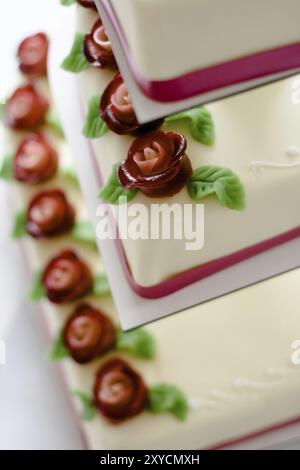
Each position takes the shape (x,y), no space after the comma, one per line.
(222,371)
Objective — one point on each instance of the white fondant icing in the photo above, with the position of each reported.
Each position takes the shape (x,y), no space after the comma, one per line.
(259,165)
(293,151)
(244,383)
(224,396)
(194,403)
(280,372)
(205,404)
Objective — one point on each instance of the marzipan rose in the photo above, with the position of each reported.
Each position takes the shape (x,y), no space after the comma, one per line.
(87,3)
(26,109)
(67,278)
(35,160)
(88,334)
(49,214)
(119,391)
(97,48)
(33,54)
(117,111)
(156,164)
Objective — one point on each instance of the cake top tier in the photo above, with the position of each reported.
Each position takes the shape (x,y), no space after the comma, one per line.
(168,38)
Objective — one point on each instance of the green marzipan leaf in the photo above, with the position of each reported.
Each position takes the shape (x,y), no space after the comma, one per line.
(113,190)
(69,175)
(137,342)
(59,350)
(37,292)
(168,398)
(53,121)
(66,3)
(83,232)
(2,109)
(201,124)
(89,410)
(76,61)
(6,168)
(94,126)
(19,228)
(101,285)
(222,182)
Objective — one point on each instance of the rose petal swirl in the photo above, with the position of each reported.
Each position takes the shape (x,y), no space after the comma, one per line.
(119,391)
(67,278)
(117,111)
(49,214)
(35,160)
(88,334)
(97,48)
(26,109)
(33,54)
(157,164)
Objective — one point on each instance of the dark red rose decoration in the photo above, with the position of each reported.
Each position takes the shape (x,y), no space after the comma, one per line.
(26,109)
(35,160)
(49,214)
(117,111)
(156,164)
(33,53)
(87,3)
(67,278)
(119,391)
(97,48)
(88,334)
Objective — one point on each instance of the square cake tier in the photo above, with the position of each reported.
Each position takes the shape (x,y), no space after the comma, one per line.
(257,137)
(177,49)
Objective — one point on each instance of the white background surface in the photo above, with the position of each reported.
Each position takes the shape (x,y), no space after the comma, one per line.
(34,412)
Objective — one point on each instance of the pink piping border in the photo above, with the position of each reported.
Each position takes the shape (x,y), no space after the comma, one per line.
(254,435)
(259,65)
(203,271)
